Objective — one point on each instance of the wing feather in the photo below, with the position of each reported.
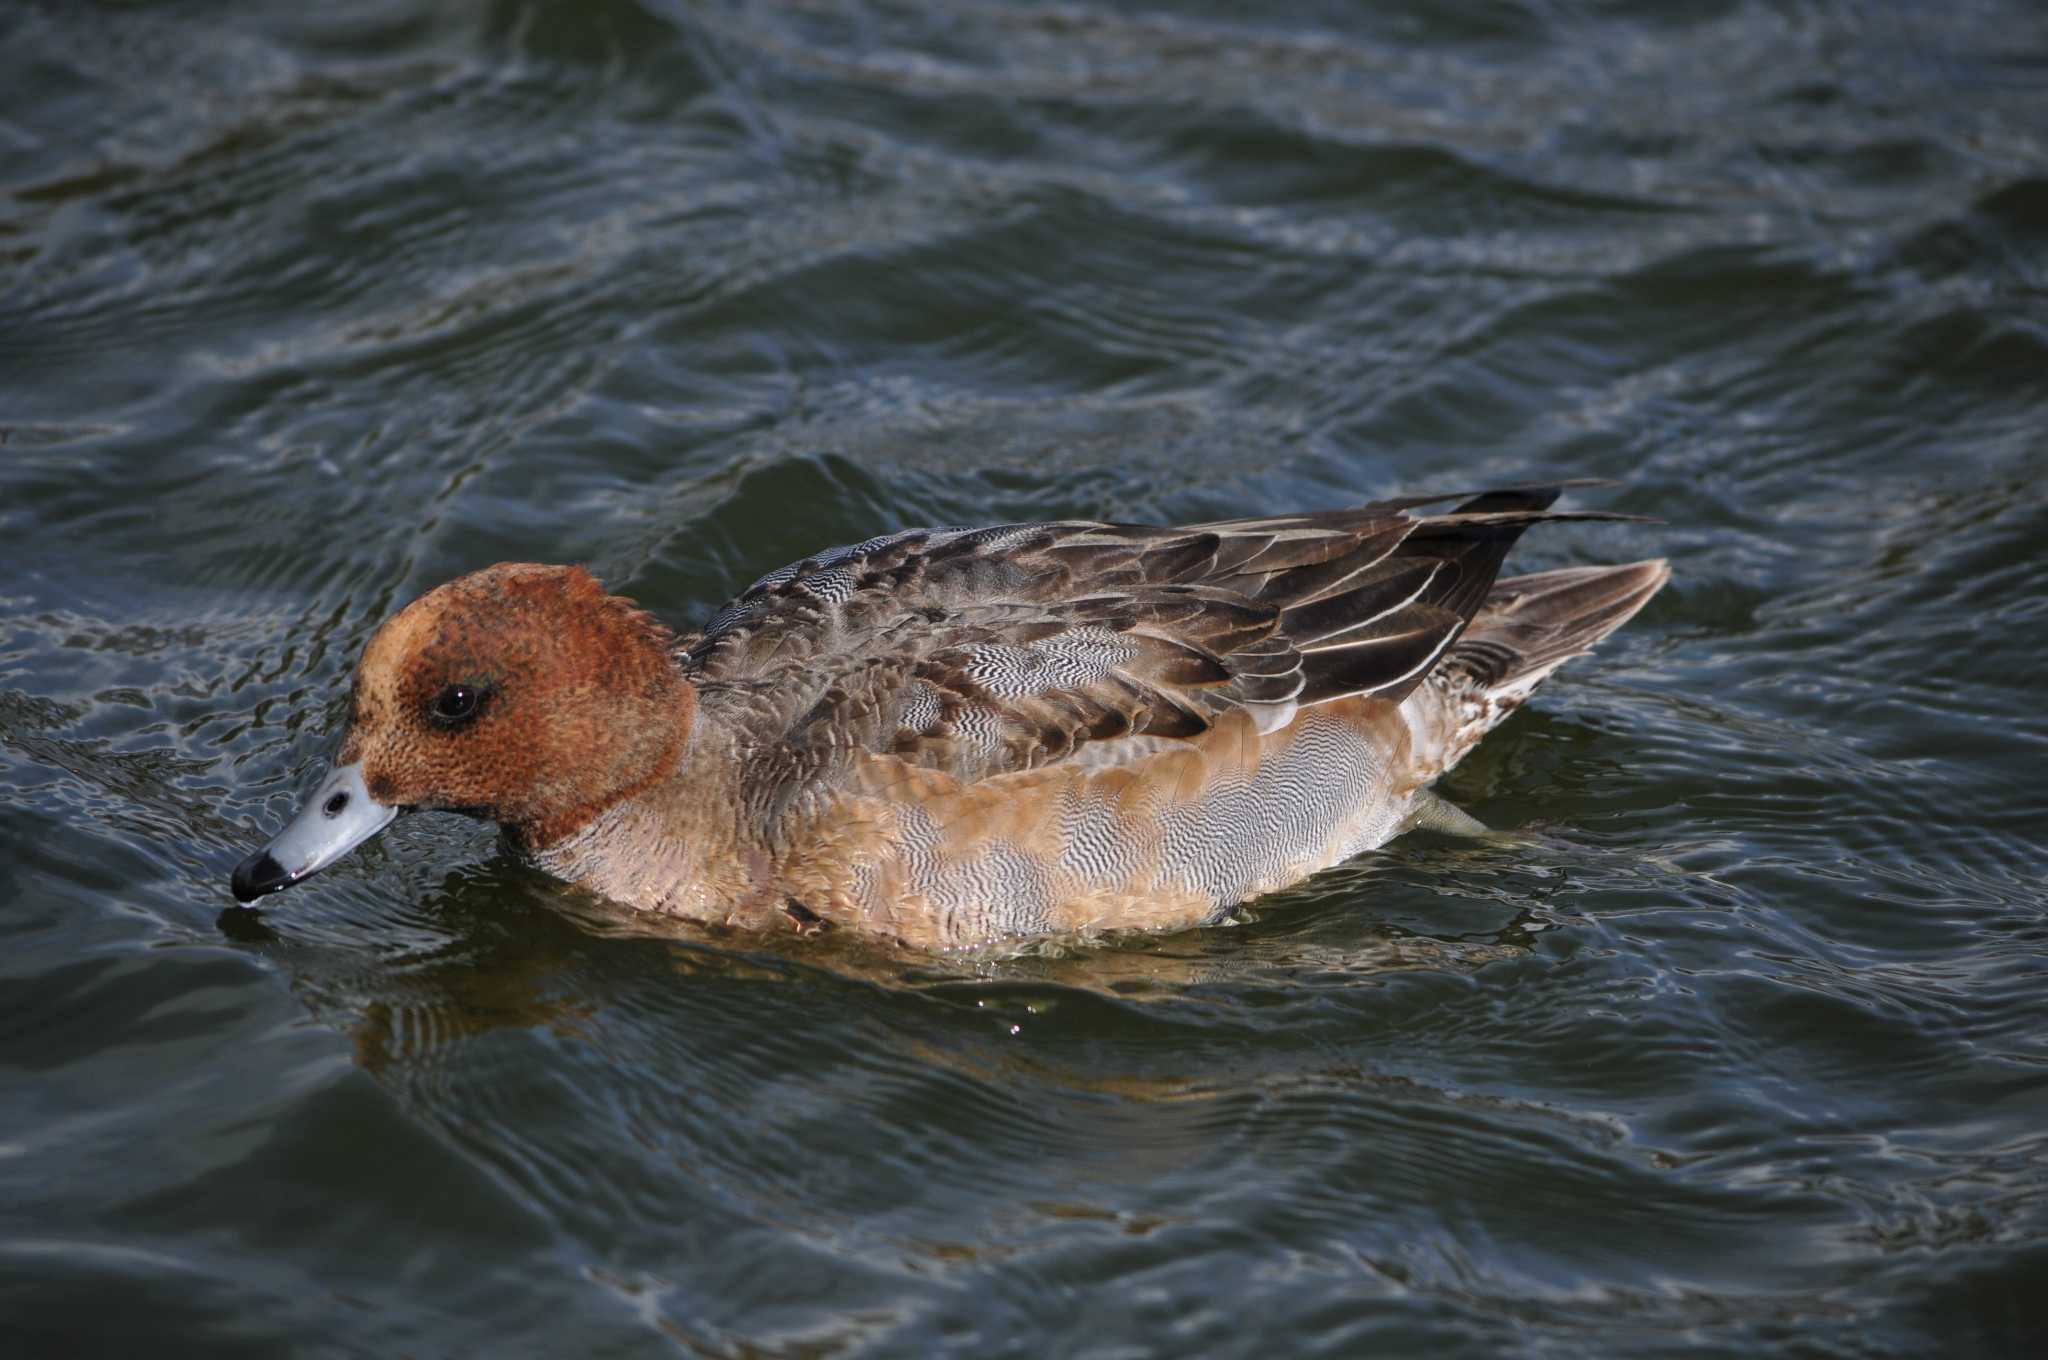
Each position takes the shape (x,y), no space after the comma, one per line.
(974,652)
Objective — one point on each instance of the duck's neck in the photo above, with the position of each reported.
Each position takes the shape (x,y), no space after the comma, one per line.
(679,846)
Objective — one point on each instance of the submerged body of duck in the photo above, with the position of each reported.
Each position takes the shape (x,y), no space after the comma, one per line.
(958,736)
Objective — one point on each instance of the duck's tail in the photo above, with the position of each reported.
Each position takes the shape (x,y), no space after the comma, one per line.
(1528,627)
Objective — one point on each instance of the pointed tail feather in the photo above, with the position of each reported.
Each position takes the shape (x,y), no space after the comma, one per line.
(1531,625)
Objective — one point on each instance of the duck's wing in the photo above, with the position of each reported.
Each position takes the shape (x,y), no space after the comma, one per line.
(980,651)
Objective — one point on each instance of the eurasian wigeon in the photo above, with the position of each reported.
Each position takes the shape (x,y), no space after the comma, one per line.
(961,736)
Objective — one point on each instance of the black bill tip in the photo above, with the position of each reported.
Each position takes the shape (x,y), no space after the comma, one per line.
(257,875)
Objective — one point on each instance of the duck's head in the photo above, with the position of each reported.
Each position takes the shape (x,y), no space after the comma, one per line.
(521,693)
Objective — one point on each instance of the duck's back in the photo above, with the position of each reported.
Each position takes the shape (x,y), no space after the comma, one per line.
(955,735)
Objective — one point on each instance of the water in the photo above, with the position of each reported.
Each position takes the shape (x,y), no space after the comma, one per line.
(1745,1047)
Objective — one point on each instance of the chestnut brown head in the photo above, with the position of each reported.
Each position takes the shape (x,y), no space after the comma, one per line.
(520,693)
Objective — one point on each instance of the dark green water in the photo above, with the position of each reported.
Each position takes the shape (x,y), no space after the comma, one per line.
(304,309)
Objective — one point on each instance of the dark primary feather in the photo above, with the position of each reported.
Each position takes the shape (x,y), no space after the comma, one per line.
(986,650)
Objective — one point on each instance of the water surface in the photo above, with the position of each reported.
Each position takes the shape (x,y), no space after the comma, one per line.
(1743,1046)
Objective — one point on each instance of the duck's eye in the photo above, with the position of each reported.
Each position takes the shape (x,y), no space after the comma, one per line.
(456,704)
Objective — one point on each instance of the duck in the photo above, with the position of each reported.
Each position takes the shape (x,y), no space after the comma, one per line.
(962,737)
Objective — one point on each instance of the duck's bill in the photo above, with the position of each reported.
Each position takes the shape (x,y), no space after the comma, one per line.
(338,817)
